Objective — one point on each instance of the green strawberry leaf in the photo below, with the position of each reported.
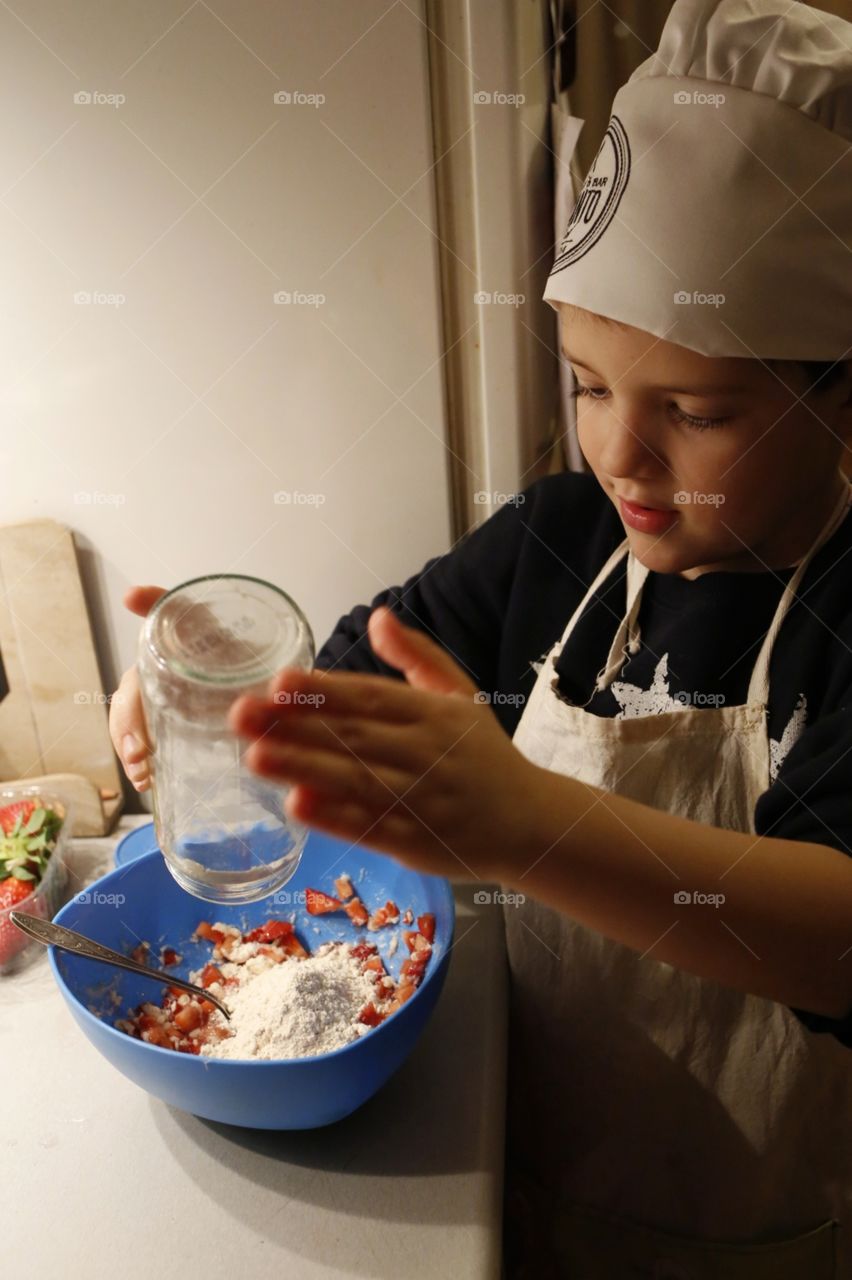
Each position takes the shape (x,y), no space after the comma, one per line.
(35,820)
(21,873)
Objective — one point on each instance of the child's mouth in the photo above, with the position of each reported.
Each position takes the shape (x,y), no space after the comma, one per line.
(646,519)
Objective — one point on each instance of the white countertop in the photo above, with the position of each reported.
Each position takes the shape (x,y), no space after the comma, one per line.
(102,1180)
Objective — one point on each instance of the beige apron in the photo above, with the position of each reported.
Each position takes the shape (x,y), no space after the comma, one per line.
(663,1126)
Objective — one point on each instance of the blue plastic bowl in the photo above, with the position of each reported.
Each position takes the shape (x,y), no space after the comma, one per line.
(138,841)
(142,901)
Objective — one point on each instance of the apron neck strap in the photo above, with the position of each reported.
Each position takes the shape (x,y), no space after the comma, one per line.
(617,555)
(627,639)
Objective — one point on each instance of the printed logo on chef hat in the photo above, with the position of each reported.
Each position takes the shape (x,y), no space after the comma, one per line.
(599,198)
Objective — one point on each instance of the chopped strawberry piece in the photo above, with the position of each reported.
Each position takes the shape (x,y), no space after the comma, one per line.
(169,957)
(293,947)
(140,953)
(388,914)
(276,953)
(157,1035)
(415,967)
(271,931)
(363,950)
(356,911)
(210,974)
(319,903)
(370,1015)
(206,930)
(426,925)
(188,1018)
(408,918)
(343,885)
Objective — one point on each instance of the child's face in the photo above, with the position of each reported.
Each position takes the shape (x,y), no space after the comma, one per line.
(750,493)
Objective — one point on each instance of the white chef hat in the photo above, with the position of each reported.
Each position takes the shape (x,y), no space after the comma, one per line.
(718,211)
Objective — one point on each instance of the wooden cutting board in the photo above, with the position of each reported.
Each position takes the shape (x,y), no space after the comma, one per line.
(53,709)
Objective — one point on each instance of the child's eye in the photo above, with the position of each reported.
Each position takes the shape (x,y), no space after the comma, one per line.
(700,424)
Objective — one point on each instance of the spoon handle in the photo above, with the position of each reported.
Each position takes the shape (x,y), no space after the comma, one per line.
(56,935)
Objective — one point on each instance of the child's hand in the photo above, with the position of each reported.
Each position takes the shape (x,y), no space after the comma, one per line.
(421,770)
(126,715)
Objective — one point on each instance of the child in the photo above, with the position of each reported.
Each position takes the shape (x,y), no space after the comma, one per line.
(674,801)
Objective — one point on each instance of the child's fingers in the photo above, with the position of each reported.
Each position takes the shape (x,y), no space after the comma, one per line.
(423,662)
(375,741)
(348,693)
(140,600)
(342,776)
(393,832)
(128,731)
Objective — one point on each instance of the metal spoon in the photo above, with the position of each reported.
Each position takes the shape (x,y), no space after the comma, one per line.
(56,935)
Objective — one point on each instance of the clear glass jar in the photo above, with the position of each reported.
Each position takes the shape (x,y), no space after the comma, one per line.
(222,829)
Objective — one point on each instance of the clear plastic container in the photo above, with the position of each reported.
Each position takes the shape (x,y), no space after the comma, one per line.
(16,948)
(222,829)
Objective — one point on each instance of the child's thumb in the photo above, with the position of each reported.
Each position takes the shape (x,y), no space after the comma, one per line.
(424,663)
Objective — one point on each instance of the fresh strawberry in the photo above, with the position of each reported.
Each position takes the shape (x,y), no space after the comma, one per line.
(12,893)
(9,814)
(29,837)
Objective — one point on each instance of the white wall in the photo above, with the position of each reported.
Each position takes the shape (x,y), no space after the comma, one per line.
(178,414)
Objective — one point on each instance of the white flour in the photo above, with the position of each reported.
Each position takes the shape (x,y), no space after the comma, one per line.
(295,1009)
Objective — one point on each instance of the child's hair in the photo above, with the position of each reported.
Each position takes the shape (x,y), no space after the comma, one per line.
(820,375)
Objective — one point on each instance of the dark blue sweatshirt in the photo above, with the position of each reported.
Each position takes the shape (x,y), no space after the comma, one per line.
(503,595)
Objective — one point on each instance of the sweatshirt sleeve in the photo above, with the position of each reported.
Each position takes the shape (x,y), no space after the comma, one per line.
(459,599)
(809,801)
